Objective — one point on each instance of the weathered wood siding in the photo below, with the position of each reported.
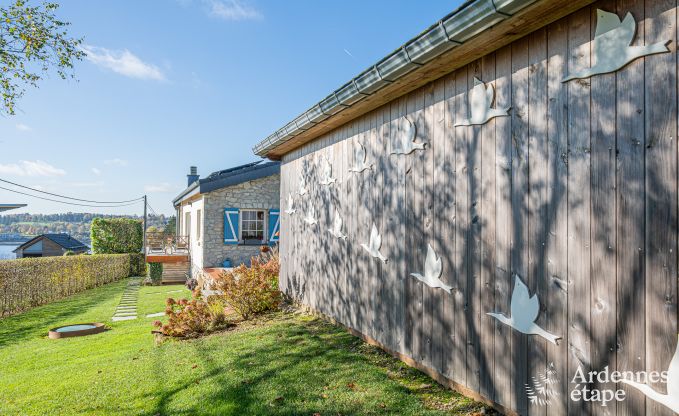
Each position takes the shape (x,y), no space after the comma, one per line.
(575,191)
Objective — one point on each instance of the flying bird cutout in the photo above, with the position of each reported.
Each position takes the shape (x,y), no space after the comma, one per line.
(669,400)
(302,185)
(481,98)
(359,159)
(525,309)
(432,271)
(613,45)
(405,143)
(373,247)
(327,173)
(311,216)
(336,229)
(291,208)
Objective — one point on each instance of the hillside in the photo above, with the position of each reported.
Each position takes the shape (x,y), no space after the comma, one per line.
(75,224)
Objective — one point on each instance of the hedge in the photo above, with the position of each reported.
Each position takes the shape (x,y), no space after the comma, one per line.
(117,235)
(25,283)
(156,273)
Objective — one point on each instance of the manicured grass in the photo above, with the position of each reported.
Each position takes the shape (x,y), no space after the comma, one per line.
(280,364)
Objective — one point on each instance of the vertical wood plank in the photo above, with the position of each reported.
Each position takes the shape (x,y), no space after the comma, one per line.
(557,212)
(488,237)
(414,182)
(603,246)
(438,236)
(538,228)
(579,204)
(503,175)
(461,227)
(519,251)
(383,301)
(661,195)
(446,225)
(474,144)
(426,218)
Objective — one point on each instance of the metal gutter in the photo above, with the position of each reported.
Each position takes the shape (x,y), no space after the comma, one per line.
(469,20)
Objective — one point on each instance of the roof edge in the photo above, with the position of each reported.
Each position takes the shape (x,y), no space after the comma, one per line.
(441,40)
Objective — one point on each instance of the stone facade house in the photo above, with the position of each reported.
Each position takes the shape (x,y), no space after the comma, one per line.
(229,215)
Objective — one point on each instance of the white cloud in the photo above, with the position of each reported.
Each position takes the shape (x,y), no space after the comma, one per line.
(161,187)
(31,168)
(233,10)
(96,171)
(23,127)
(116,162)
(123,62)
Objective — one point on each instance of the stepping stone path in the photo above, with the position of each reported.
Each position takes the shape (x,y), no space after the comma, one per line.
(127,308)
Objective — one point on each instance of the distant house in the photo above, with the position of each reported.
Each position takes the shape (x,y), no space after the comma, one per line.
(230,214)
(50,245)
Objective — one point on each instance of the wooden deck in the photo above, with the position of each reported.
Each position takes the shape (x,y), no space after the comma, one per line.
(167,258)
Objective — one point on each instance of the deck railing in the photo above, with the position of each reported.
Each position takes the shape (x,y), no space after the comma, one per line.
(161,243)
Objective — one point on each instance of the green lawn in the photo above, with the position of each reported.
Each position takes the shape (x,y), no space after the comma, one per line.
(281,364)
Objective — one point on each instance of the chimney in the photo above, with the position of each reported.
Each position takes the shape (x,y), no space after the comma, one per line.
(193,175)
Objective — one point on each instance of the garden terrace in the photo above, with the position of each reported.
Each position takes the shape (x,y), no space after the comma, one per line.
(279,364)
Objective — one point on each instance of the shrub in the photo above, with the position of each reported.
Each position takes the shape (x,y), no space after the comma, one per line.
(25,283)
(252,290)
(117,235)
(156,273)
(191,318)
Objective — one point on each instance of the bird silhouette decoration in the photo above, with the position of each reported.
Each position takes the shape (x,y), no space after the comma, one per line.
(669,400)
(291,205)
(327,179)
(481,98)
(613,45)
(406,141)
(359,159)
(336,229)
(302,186)
(525,309)
(432,271)
(311,216)
(373,247)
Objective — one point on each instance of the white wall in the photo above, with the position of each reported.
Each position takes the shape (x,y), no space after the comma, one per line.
(196,233)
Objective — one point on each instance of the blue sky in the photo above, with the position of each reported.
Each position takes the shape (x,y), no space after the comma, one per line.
(174,83)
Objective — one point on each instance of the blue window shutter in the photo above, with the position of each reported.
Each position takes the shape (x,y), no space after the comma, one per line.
(231,221)
(274,225)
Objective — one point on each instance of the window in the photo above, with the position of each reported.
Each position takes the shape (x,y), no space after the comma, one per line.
(187,224)
(198,224)
(252,226)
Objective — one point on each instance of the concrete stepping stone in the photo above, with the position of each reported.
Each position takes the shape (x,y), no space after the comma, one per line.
(127,307)
(123,318)
(155,315)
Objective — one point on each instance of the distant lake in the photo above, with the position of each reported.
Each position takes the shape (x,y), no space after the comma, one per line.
(6,251)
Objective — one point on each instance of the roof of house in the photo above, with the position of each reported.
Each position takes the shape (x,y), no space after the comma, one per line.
(64,240)
(6,207)
(230,177)
(476,28)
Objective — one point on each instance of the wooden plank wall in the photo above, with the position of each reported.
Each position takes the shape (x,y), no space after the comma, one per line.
(575,191)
